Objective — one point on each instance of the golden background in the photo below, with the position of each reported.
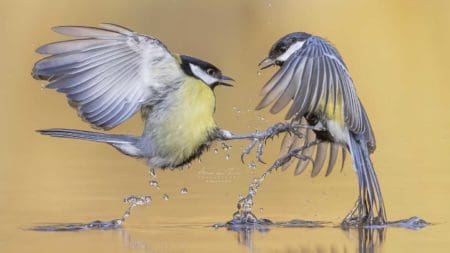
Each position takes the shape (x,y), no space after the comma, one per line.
(397,52)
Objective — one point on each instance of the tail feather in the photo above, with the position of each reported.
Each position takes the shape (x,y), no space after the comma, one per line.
(371,200)
(126,144)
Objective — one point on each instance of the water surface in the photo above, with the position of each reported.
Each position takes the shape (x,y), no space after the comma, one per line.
(397,53)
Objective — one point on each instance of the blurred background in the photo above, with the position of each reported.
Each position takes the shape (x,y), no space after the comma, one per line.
(397,53)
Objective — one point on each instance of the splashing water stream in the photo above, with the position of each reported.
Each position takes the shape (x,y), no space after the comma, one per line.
(132,201)
(244,218)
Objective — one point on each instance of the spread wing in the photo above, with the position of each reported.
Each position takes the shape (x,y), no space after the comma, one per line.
(107,73)
(314,75)
(314,78)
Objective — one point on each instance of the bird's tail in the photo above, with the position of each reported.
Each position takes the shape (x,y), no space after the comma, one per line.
(127,144)
(371,205)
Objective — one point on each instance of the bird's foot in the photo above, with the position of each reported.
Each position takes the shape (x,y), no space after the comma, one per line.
(259,139)
(357,218)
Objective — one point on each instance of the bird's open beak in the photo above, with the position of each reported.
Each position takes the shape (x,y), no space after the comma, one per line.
(267,62)
(225,81)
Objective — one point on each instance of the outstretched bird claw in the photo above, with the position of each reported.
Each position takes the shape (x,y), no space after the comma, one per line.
(259,152)
(248,149)
(242,157)
(260,160)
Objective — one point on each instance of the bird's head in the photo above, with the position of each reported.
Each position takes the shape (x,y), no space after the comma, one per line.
(284,48)
(204,71)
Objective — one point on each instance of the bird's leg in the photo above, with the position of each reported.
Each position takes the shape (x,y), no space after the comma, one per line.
(369,208)
(258,139)
(245,204)
(354,216)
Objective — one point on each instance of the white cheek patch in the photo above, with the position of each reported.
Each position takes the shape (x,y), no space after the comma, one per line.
(292,49)
(198,72)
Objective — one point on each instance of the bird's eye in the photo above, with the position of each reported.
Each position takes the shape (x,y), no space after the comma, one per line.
(210,72)
(283,49)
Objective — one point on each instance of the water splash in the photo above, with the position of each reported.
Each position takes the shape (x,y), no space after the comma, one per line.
(154,183)
(225,146)
(227,157)
(252,165)
(133,201)
(184,190)
(152,172)
(166,196)
(216,151)
(413,223)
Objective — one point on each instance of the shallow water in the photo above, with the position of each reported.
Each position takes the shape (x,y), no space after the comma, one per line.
(397,52)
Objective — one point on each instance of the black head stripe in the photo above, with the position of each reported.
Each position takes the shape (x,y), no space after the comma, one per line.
(186,60)
(285,42)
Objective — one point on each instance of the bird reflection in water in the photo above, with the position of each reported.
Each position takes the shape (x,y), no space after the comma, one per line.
(369,240)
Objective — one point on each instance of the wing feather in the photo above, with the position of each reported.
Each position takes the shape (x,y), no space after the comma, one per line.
(302,164)
(107,73)
(324,79)
(319,161)
(116,28)
(86,31)
(334,150)
(318,80)
(277,84)
(287,94)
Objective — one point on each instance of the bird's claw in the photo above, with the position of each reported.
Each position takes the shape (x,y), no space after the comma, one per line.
(260,139)
(259,149)
(259,152)
(248,149)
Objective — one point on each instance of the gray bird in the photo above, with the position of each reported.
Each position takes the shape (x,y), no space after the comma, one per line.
(109,73)
(314,77)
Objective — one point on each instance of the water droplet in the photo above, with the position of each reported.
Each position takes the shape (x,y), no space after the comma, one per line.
(117,222)
(236,110)
(227,157)
(154,183)
(152,172)
(216,151)
(259,72)
(138,200)
(225,146)
(148,199)
(261,210)
(184,190)
(252,165)
(165,196)
(199,160)
(260,117)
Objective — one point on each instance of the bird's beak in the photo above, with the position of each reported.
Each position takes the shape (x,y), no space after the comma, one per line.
(267,62)
(225,81)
